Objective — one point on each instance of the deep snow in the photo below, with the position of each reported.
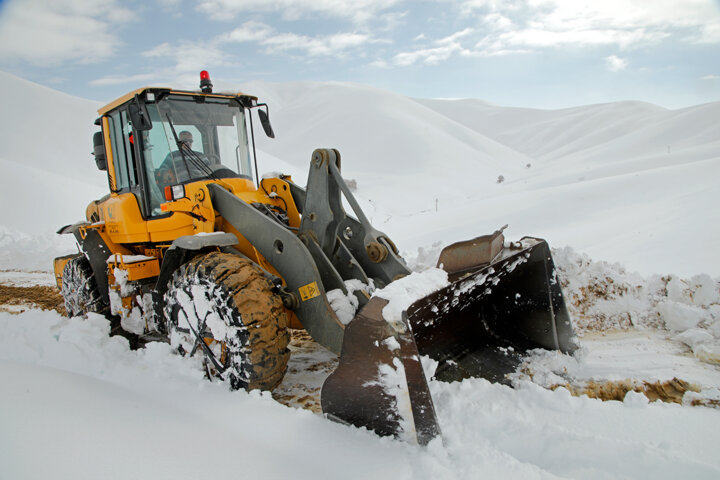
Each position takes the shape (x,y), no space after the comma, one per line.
(628,182)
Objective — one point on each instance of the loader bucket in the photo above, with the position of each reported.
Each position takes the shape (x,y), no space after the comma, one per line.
(480,325)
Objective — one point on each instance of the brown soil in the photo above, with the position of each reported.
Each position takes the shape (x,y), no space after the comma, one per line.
(38,296)
(671,391)
(310,401)
(306,372)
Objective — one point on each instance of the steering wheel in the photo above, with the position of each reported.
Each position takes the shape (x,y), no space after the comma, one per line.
(165,177)
(223,171)
(213,159)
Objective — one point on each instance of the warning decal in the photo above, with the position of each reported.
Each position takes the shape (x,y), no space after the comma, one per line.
(309,291)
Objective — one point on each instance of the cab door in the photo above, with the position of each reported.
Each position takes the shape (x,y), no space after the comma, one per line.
(124,212)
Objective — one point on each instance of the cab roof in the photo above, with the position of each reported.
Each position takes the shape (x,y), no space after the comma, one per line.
(129,96)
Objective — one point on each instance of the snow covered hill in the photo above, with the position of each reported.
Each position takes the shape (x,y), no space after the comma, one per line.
(626,182)
(49,130)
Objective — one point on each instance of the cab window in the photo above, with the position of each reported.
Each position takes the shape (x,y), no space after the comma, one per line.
(122,149)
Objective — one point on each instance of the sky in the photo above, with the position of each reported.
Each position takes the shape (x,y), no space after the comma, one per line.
(525,53)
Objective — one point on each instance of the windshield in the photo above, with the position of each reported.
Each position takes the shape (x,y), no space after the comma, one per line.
(210,140)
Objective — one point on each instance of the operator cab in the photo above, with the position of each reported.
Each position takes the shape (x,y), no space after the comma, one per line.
(194,138)
(159,138)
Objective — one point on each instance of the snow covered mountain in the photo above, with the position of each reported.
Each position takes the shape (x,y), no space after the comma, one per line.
(627,182)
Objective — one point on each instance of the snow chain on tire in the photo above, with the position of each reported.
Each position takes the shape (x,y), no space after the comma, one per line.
(80,290)
(226,298)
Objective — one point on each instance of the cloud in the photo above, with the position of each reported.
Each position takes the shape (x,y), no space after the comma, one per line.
(507,27)
(176,63)
(615,63)
(328,45)
(355,10)
(526,25)
(124,79)
(441,50)
(708,34)
(53,33)
(251,31)
(189,56)
(322,45)
(711,77)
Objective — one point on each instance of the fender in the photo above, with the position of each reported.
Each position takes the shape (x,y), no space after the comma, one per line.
(183,249)
(96,251)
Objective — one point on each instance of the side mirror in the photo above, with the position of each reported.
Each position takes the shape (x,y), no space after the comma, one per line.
(99,151)
(265,120)
(139,115)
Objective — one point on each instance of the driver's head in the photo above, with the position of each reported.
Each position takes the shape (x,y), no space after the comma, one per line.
(186,138)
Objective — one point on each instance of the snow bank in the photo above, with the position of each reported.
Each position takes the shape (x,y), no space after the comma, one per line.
(603,297)
(20,251)
(78,397)
(575,437)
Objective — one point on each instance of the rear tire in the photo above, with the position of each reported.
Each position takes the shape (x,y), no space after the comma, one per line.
(80,290)
(227,298)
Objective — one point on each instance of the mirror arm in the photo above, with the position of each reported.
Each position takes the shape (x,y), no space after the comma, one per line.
(265,119)
(139,115)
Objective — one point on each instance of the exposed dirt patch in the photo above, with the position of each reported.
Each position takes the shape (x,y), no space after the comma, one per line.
(705,402)
(595,305)
(308,367)
(309,401)
(17,299)
(671,391)
(602,296)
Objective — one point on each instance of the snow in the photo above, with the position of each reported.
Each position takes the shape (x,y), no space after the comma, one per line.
(345,305)
(650,355)
(62,377)
(403,292)
(625,193)
(393,380)
(25,279)
(118,258)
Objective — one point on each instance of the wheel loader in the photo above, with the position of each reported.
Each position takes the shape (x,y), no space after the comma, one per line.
(192,247)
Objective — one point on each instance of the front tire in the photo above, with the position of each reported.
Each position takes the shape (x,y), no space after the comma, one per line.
(228,301)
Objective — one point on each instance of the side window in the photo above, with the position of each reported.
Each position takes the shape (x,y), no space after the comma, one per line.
(129,150)
(123,155)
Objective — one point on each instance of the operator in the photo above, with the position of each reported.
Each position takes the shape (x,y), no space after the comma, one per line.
(186,138)
(180,163)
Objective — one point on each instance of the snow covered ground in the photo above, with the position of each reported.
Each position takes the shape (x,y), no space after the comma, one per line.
(628,182)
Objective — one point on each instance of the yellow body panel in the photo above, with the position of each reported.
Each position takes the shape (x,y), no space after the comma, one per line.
(123,220)
(137,270)
(192,214)
(103,232)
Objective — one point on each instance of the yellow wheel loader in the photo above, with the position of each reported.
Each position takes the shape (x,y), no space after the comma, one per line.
(191,247)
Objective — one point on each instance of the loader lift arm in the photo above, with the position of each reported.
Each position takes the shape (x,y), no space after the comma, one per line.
(329,248)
